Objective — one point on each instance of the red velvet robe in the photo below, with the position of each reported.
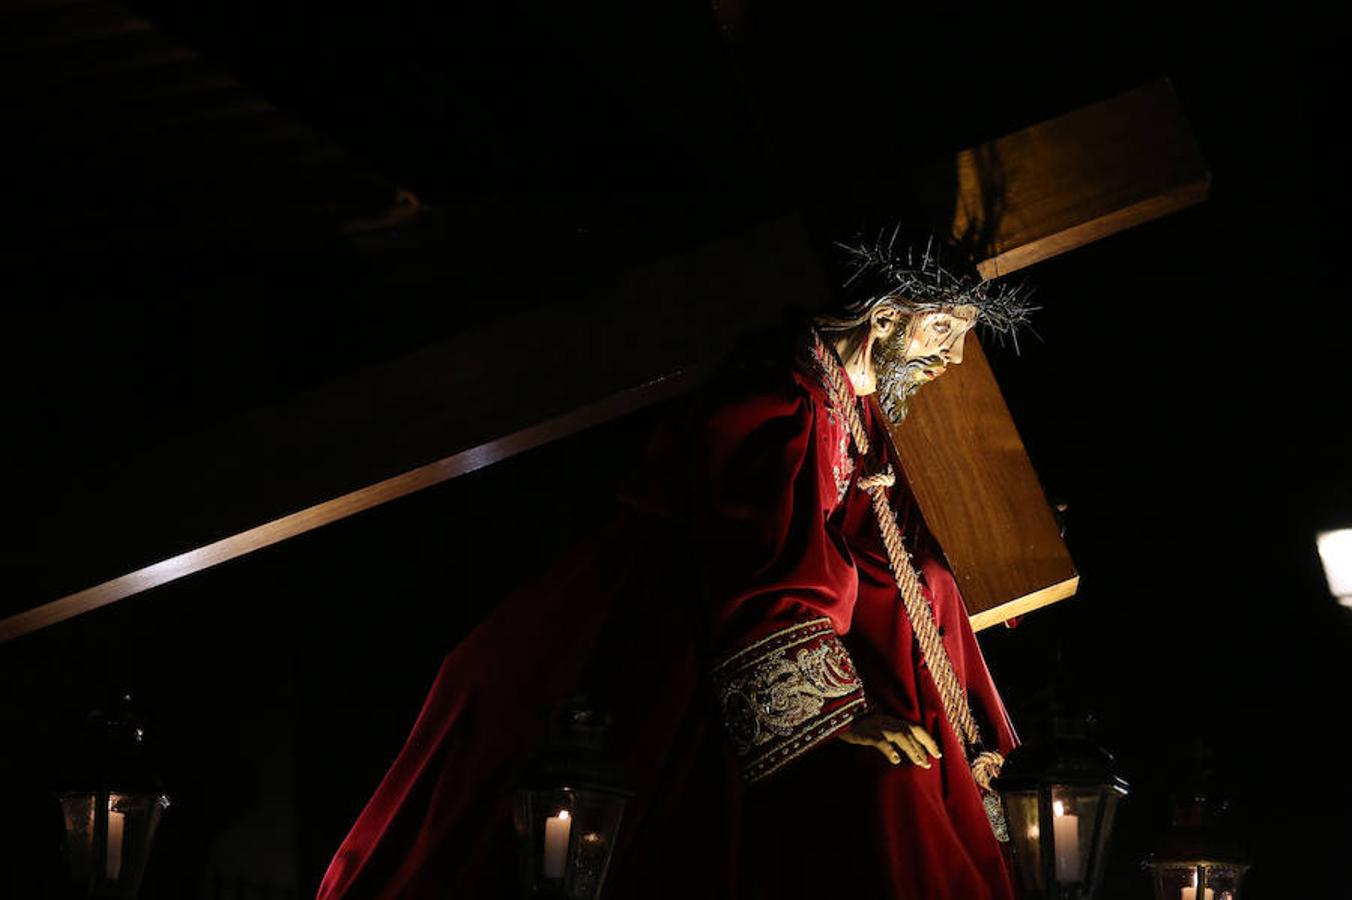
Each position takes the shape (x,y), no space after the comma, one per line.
(744,580)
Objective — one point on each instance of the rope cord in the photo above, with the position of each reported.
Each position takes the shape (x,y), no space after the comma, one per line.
(918,609)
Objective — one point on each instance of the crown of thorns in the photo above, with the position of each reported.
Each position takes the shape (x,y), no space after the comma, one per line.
(919,283)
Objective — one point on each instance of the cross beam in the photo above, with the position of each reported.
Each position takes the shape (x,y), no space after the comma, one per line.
(420,420)
(446,410)
(1072,180)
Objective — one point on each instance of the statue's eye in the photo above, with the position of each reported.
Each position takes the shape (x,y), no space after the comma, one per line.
(942,327)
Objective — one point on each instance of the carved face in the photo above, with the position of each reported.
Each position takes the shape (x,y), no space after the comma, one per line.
(937,338)
(904,358)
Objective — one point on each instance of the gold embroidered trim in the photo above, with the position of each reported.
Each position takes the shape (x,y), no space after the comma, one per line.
(775,694)
(789,751)
(792,634)
(842,467)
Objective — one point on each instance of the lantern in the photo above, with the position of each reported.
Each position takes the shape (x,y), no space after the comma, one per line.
(568,814)
(1196,861)
(1060,798)
(112,807)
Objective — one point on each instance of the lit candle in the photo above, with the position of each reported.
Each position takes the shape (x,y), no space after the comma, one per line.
(1190,893)
(1066,837)
(557,829)
(116,823)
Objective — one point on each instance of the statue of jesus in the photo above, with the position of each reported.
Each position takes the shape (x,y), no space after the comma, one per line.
(796,689)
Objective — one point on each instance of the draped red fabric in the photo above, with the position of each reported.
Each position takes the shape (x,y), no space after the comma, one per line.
(742,533)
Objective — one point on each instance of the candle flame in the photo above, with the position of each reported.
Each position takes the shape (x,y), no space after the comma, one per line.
(563,814)
(1058,808)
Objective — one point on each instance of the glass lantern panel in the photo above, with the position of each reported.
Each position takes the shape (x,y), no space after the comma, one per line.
(1074,815)
(132,820)
(1196,882)
(1170,881)
(1224,880)
(544,822)
(567,836)
(110,851)
(78,811)
(1108,799)
(1021,810)
(598,815)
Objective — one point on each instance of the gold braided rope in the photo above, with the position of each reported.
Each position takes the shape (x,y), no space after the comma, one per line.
(918,609)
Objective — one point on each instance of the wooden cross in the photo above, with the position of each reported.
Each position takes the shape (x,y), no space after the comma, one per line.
(415,422)
(1064,183)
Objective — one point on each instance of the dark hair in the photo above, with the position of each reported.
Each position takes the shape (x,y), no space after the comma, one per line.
(855,323)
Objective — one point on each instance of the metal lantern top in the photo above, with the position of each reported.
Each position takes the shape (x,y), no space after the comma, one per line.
(1197,842)
(1070,759)
(114,752)
(576,754)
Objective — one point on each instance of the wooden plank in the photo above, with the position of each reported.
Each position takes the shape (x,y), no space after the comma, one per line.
(1031,195)
(996,528)
(1010,609)
(377,435)
(969,471)
(329,511)
(1078,178)
(296,466)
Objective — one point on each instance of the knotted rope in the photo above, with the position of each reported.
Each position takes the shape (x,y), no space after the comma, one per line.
(884,479)
(986,763)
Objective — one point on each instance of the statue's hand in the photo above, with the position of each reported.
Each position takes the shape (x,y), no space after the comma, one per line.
(888,734)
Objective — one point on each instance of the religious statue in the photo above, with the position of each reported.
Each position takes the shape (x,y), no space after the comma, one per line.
(795,687)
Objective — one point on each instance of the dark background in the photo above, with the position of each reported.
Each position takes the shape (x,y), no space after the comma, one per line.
(1187,399)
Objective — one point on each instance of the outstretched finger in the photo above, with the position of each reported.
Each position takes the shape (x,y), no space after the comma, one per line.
(886,749)
(926,740)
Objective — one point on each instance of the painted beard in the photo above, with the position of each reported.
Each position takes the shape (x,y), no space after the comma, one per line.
(898,378)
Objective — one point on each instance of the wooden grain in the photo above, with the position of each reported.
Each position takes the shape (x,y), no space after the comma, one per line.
(1075,179)
(967,466)
(367,439)
(400,427)
(321,514)
(1104,226)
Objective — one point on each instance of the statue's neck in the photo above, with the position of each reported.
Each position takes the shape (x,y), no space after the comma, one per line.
(858,365)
